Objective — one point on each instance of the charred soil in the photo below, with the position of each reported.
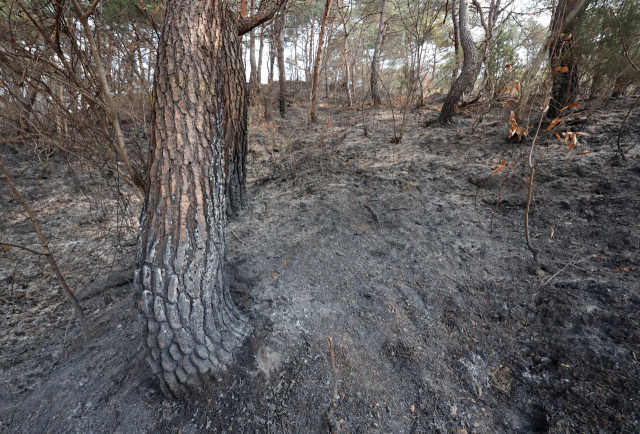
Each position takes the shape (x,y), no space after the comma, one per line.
(395,250)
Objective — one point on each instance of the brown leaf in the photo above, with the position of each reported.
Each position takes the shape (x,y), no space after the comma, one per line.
(508,68)
(555,122)
(568,37)
(561,69)
(5,248)
(499,167)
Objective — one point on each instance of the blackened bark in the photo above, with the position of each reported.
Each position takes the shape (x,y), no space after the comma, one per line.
(468,67)
(375,63)
(191,326)
(562,55)
(282,97)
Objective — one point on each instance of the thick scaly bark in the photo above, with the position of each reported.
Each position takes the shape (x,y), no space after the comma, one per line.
(191,326)
(375,63)
(468,66)
(318,62)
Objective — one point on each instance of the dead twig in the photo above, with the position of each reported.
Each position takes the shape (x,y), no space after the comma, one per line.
(45,246)
(567,265)
(35,252)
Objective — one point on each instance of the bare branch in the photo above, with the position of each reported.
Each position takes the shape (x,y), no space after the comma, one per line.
(245,25)
(17,246)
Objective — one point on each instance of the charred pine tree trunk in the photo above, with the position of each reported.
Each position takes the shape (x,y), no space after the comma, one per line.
(375,63)
(191,324)
(562,56)
(468,66)
(282,97)
(318,62)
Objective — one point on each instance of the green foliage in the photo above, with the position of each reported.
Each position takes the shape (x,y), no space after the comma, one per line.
(601,50)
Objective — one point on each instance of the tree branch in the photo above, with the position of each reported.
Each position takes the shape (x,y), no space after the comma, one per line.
(245,25)
(22,247)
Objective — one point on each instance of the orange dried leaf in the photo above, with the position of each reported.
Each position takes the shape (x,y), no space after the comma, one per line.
(555,122)
(508,68)
(568,37)
(558,136)
(561,69)
(585,152)
(575,104)
(506,88)
(5,248)
(499,167)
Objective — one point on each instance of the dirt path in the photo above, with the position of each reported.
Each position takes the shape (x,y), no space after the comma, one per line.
(438,322)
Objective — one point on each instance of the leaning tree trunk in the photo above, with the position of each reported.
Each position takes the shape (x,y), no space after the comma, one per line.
(318,62)
(375,63)
(191,325)
(562,57)
(468,66)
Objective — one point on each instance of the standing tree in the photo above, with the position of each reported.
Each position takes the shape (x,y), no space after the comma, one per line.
(316,66)
(375,63)
(282,95)
(562,55)
(468,66)
(191,325)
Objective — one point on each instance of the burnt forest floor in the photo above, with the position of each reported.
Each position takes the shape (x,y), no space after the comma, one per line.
(439,322)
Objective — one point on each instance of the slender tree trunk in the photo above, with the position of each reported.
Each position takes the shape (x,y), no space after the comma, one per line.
(468,67)
(260,53)
(456,37)
(282,98)
(347,74)
(191,325)
(253,77)
(375,63)
(272,53)
(356,56)
(318,62)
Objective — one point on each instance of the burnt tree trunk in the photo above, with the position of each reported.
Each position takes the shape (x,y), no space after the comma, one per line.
(468,66)
(191,325)
(562,57)
(282,97)
(375,63)
(318,62)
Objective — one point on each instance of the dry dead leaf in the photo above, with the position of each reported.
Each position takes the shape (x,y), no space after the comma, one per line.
(555,122)
(561,69)
(499,167)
